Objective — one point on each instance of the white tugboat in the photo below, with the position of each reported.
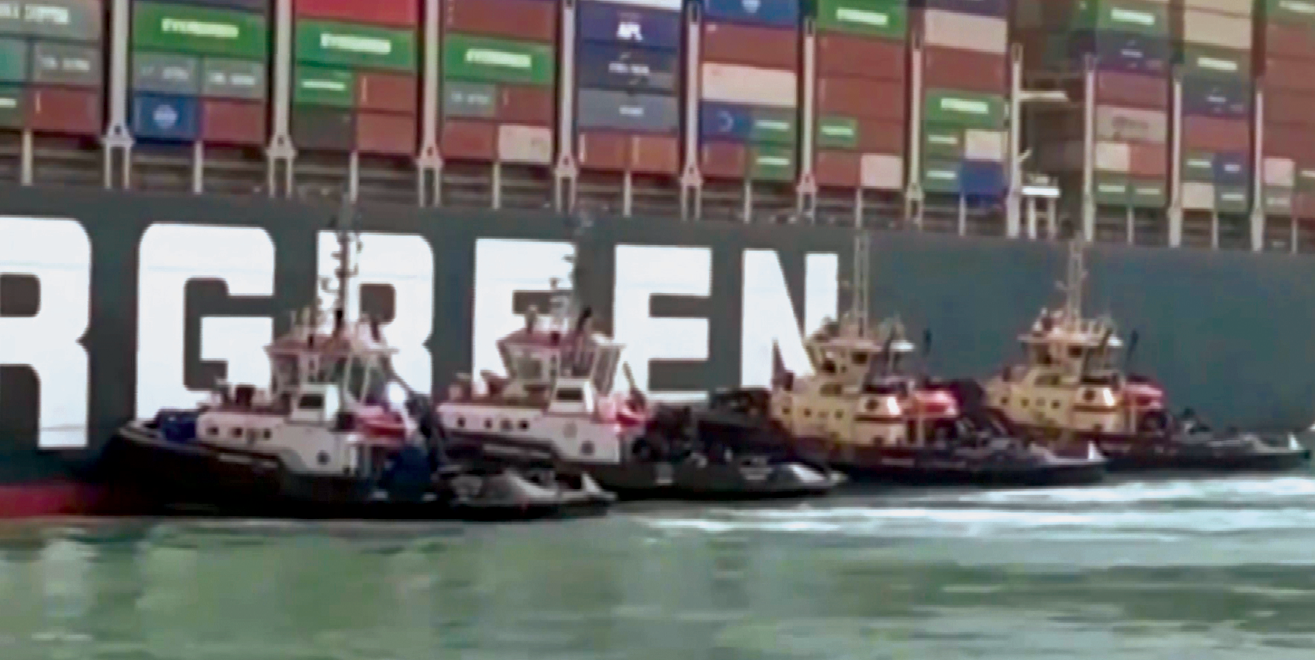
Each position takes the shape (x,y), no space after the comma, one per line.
(557,402)
(337,435)
(1069,389)
(866,415)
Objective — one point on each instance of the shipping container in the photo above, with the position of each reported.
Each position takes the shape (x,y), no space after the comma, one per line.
(470,140)
(968,70)
(233,79)
(741,123)
(324,129)
(1133,90)
(619,152)
(1217,98)
(846,55)
(396,13)
(985,34)
(484,59)
(605,21)
(240,123)
(723,160)
(244,5)
(996,8)
(323,86)
(65,111)
(771,163)
(160,117)
(1129,52)
(526,20)
(729,83)
(882,19)
(13,61)
(838,169)
(1210,61)
(13,106)
(385,134)
(355,45)
(1143,16)
(779,13)
(166,73)
(1288,40)
(387,92)
(469,99)
(1130,124)
(69,64)
(623,111)
(627,68)
(749,45)
(1210,29)
(530,145)
(527,104)
(71,20)
(199,30)
(1211,134)
(964,109)
(855,97)
(1285,107)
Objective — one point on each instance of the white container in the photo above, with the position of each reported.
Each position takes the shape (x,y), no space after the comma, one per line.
(732,83)
(524,144)
(1281,172)
(966,31)
(881,172)
(1198,196)
(1113,157)
(984,145)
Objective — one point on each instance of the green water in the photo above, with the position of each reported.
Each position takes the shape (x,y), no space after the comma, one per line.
(1156,571)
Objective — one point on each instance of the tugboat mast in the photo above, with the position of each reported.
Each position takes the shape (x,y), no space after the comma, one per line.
(859,300)
(346,233)
(1072,286)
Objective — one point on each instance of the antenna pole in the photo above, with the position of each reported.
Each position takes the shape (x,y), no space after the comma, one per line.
(1073,284)
(858,304)
(344,228)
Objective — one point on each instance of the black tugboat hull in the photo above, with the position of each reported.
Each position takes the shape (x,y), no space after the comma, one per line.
(1141,454)
(169,478)
(673,482)
(983,477)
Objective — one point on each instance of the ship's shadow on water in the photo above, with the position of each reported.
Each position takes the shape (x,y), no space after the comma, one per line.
(1136,570)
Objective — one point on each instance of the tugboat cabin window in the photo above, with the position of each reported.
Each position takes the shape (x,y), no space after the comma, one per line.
(570,395)
(527,366)
(861,357)
(312,401)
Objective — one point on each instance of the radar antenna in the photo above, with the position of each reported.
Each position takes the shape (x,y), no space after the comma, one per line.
(348,241)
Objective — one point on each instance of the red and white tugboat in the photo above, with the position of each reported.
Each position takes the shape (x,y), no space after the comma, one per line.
(864,414)
(1068,389)
(557,401)
(337,435)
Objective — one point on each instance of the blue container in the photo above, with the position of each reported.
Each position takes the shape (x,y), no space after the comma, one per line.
(993,8)
(606,22)
(160,117)
(725,122)
(1216,98)
(1232,169)
(776,13)
(629,68)
(1122,51)
(981,178)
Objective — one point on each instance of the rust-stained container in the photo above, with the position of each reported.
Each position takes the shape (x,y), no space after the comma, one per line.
(848,55)
(966,70)
(730,83)
(527,20)
(723,160)
(397,13)
(531,145)
(881,137)
(1148,161)
(386,92)
(655,154)
(65,111)
(470,140)
(1287,107)
(532,105)
(1215,134)
(1290,41)
(731,43)
(604,151)
(385,134)
(323,129)
(1285,73)
(854,97)
(1132,90)
(838,168)
(241,123)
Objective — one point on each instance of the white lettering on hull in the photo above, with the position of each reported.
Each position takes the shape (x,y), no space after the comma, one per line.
(641,273)
(769,318)
(171,255)
(57,253)
(406,264)
(502,268)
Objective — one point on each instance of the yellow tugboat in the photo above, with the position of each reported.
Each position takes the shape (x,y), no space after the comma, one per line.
(1069,391)
(864,413)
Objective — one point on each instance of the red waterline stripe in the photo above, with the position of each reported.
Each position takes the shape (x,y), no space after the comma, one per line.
(49,498)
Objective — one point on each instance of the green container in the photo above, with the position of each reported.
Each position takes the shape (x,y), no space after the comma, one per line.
(1278,201)
(12,106)
(1305,179)
(887,19)
(320,86)
(1123,16)
(1218,63)
(484,59)
(1232,199)
(13,61)
(771,163)
(774,126)
(1111,190)
(199,31)
(945,142)
(837,133)
(355,45)
(1199,166)
(940,177)
(1147,194)
(1293,12)
(964,109)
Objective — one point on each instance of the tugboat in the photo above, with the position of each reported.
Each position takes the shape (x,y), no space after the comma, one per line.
(1069,389)
(557,403)
(337,435)
(864,415)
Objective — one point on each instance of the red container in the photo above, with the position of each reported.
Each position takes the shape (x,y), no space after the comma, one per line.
(844,55)
(1212,134)
(385,134)
(1285,73)
(65,111)
(469,140)
(528,20)
(855,97)
(400,13)
(1286,107)
(1285,142)
(881,137)
(1288,41)
(1303,206)
(1150,161)
(723,160)
(387,92)
(233,122)
(1131,90)
(603,151)
(839,169)
(527,104)
(967,70)
(655,154)
(768,48)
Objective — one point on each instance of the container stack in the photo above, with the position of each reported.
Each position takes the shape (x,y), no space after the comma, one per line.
(628,85)
(51,77)
(748,112)
(355,80)
(1213,43)
(1285,53)
(1129,41)
(965,81)
(861,48)
(499,71)
(199,71)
